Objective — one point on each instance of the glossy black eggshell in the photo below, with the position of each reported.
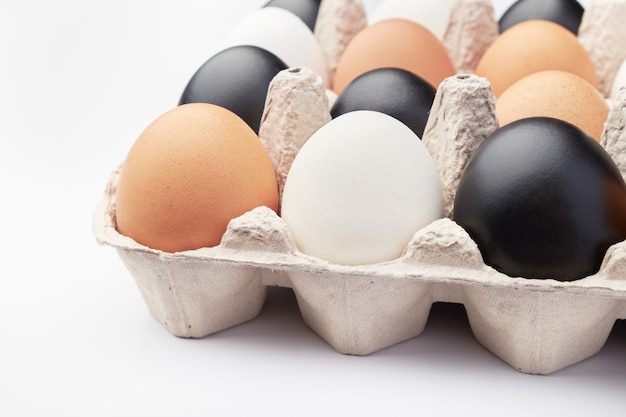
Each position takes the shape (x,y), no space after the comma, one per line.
(393,91)
(236,78)
(542,199)
(567,13)
(306,10)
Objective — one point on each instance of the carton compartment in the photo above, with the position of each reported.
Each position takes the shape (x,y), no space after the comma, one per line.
(536,326)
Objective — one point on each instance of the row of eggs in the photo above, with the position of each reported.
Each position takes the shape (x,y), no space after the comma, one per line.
(528,48)
(364,183)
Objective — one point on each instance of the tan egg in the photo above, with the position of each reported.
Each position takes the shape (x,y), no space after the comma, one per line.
(558,94)
(398,43)
(188,174)
(533,46)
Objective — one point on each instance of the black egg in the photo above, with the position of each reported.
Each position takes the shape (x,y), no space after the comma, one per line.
(236,78)
(393,91)
(306,10)
(567,13)
(542,199)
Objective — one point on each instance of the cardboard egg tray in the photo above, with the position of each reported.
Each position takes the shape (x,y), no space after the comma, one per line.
(535,325)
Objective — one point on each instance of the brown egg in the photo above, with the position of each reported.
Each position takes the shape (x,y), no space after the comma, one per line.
(188,174)
(558,94)
(533,46)
(395,43)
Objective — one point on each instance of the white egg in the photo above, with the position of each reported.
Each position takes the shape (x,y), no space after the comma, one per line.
(434,15)
(619,81)
(285,35)
(359,189)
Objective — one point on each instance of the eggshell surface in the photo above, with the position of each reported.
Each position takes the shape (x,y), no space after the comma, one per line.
(434,15)
(542,200)
(567,13)
(236,78)
(557,94)
(393,91)
(285,35)
(188,174)
(306,10)
(398,43)
(533,46)
(359,189)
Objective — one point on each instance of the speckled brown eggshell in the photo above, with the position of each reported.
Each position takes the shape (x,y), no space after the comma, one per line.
(557,94)
(188,174)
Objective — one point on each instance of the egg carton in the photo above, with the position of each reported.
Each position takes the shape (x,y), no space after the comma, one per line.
(536,325)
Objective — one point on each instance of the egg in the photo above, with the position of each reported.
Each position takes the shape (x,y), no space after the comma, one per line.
(567,13)
(557,94)
(434,15)
(393,91)
(235,78)
(285,35)
(359,189)
(306,10)
(398,43)
(533,46)
(188,174)
(543,200)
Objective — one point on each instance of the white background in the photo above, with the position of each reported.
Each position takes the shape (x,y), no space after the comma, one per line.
(79,80)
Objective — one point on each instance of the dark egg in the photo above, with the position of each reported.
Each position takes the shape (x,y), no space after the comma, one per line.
(237,79)
(396,92)
(306,10)
(542,199)
(567,13)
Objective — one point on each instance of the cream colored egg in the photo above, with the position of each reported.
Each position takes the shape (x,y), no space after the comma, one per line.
(434,15)
(285,35)
(359,189)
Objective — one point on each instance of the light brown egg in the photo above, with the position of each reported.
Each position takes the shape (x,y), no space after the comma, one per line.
(398,43)
(188,174)
(558,94)
(533,46)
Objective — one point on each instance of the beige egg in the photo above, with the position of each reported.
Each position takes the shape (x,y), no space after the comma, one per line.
(188,174)
(397,43)
(533,46)
(558,94)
